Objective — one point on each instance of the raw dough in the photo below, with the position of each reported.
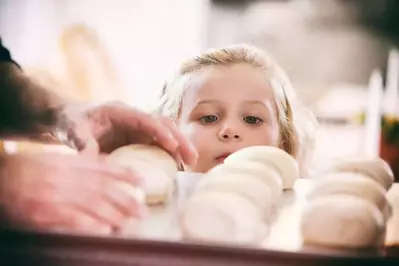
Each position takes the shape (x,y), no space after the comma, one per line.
(375,168)
(221,217)
(349,183)
(284,163)
(159,183)
(158,186)
(244,185)
(342,221)
(260,171)
(157,157)
(392,235)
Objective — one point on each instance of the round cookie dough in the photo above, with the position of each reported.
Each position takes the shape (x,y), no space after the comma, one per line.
(349,183)
(285,164)
(342,221)
(221,217)
(260,171)
(158,186)
(375,168)
(392,235)
(157,157)
(244,185)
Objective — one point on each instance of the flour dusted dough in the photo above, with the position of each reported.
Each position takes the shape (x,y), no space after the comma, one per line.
(260,171)
(349,183)
(154,155)
(158,181)
(342,221)
(220,217)
(243,185)
(393,196)
(392,234)
(284,163)
(375,168)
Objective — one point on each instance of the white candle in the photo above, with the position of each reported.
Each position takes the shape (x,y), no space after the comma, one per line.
(391,96)
(373,114)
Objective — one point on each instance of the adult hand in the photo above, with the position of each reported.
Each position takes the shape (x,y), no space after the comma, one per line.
(106,127)
(70,192)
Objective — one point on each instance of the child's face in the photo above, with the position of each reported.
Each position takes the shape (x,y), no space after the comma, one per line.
(228,108)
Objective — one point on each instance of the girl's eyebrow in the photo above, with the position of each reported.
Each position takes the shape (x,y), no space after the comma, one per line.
(206,101)
(256,102)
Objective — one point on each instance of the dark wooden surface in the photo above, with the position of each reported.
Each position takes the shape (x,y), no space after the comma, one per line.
(27,248)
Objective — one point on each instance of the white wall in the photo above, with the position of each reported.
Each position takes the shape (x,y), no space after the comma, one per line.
(301,36)
(145,38)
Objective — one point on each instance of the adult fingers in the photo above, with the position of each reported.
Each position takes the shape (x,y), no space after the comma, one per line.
(68,218)
(139,121)
(186,150)
(127,198)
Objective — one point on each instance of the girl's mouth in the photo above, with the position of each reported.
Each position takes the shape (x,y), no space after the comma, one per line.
(221,158)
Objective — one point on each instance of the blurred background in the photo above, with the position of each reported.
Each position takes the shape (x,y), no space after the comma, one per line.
(336,52)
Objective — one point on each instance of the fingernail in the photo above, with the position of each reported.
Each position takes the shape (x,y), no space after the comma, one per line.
(178,159)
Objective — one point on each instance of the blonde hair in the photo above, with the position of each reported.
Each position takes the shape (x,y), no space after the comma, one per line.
(296,123)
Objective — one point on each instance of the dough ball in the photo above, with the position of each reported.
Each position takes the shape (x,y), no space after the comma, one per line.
(349,183)
(342,221)
(260,171)
(285,164)
(221,217)
(375,168)
(392,234)
(158,186)
(156,156)
(244,185)
(393,196)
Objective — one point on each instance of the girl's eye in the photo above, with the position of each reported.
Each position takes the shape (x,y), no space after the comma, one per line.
(253,120)
(207,119)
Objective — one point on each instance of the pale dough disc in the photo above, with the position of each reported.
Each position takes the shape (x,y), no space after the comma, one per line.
(348,183)
(158,186)
(375,168)
(244,185)
(285,164)
(154,155)
(393,196)
(261,171)
(342,221)
(392,234)
(221,217)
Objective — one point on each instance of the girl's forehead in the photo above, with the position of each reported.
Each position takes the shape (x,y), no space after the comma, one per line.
(240,81)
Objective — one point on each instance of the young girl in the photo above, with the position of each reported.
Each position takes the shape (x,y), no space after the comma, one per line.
(227,99)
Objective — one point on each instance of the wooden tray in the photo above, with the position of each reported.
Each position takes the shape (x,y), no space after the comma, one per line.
(283,246)
(24,248)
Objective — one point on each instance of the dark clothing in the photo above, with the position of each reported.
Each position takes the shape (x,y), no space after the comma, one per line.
(4,53)
(25,108)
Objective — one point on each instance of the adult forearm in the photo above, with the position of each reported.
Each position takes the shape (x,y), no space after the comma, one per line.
(26,108)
